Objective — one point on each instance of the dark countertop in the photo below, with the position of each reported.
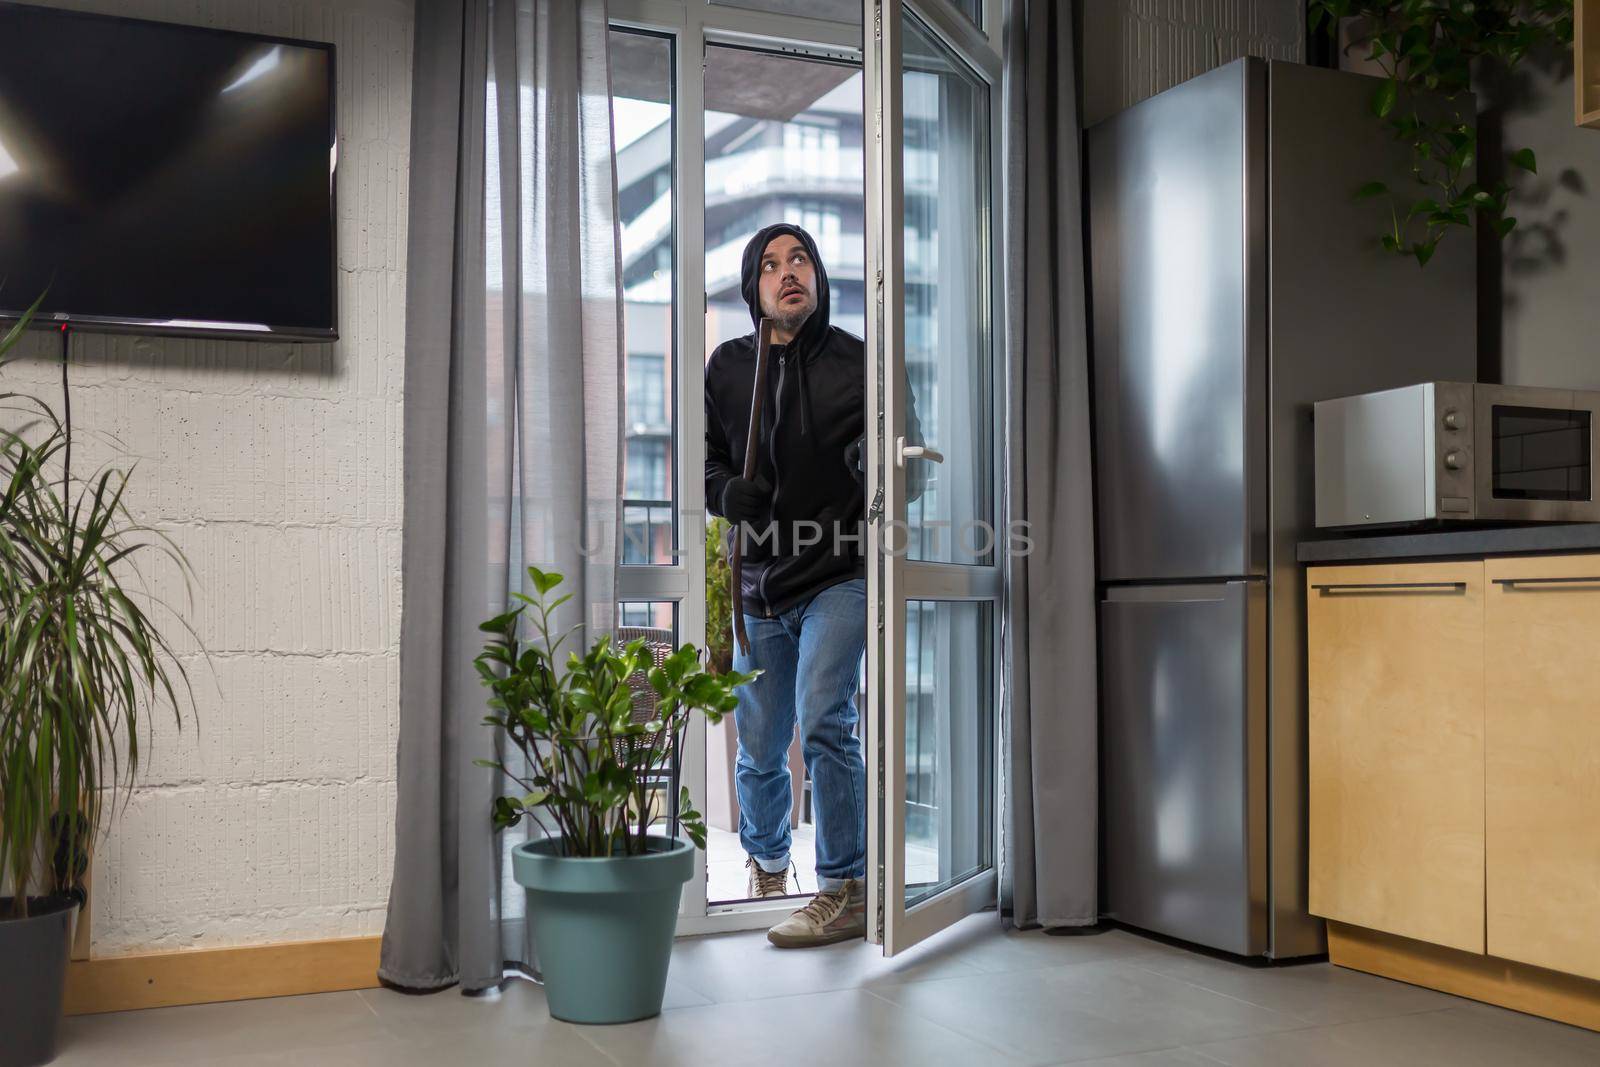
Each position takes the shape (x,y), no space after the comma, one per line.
(1492,541)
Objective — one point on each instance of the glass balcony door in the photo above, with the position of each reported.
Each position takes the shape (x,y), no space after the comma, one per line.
(936,526)
(707,149)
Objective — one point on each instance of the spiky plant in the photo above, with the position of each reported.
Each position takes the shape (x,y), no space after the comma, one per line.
(82,663)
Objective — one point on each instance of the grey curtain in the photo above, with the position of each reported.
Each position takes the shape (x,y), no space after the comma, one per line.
(1049,864)
(513,432)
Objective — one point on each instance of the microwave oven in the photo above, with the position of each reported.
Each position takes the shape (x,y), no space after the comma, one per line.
(1448,452)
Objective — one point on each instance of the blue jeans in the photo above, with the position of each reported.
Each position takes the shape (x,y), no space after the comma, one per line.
(810,657)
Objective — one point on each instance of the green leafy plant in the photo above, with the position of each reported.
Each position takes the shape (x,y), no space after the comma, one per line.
(81,662)
(719,602)
(586,763)
(1432,47)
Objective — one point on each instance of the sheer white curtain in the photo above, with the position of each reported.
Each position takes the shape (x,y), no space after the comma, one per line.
(514,371)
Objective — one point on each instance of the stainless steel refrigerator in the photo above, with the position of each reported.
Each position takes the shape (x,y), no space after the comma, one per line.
(1234,280)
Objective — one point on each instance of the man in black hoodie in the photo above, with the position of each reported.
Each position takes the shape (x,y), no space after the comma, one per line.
(803,578)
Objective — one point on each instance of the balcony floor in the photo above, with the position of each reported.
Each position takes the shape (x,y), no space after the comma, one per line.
(726,879)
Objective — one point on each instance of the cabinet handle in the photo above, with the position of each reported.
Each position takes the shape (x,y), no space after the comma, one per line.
(1381,587)
(1587,579)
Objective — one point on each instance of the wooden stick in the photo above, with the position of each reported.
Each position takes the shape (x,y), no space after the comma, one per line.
(758,395)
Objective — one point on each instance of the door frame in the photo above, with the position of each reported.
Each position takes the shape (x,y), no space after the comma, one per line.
(691,25)
(892,583)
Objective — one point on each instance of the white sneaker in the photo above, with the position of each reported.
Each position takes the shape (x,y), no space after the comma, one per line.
(830,917)
(765,885)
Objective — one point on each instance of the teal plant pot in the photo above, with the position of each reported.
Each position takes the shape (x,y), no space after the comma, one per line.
(603,928)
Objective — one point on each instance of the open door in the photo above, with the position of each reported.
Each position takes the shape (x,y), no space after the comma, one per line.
(936,528)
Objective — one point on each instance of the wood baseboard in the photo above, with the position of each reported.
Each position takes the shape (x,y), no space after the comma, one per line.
(203,976)
(1517,986)
(1586,61)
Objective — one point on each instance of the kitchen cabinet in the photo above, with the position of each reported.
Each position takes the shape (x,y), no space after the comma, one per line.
(1542,682)
(1454,751)
(1396,749)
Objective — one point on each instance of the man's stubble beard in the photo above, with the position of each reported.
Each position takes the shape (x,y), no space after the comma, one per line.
(790,323)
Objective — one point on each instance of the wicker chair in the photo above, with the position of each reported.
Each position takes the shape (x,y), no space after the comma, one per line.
(658,642)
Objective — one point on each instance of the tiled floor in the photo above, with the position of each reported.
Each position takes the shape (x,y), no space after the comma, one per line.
(974,996)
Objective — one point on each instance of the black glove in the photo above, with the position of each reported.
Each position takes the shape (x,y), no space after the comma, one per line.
(746,501)
(854,459)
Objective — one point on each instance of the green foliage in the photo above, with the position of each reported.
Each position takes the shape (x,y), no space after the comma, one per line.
(81,662)
(719,602)
(1432,46)
(585,765)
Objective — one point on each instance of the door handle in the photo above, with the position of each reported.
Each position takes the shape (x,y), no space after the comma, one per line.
(1382,587)
(904,452)
(1587,579)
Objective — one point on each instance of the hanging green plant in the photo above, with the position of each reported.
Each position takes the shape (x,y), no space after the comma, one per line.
(1432,47)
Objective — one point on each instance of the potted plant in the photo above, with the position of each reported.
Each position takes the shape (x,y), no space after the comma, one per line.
(719,598)
(1437,49)
(81,665)
(603,888)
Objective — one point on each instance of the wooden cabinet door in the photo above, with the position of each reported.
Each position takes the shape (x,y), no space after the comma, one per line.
(1396,737)
(1543,820)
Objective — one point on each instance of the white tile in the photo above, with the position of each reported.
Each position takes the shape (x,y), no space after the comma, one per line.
(989,947)
(1167,1057)
(1315,992)
(203,1033)
(1082,1011)
(1452,1038)
(744,966)
(849,1028)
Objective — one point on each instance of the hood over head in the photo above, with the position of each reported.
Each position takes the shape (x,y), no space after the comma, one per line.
(810,337)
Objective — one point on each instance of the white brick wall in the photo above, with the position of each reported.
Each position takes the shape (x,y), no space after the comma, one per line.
(1133,49)
(276,468)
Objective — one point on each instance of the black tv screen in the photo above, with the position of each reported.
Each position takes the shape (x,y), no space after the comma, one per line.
(165,178)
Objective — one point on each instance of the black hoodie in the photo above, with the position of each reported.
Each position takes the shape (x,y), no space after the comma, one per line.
(815,409)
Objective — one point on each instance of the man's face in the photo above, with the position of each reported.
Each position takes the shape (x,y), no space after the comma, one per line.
(788,283)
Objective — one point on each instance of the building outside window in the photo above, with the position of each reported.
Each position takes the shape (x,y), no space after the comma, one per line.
(642,123)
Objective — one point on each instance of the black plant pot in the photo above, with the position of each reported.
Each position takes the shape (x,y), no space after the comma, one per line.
(33,979)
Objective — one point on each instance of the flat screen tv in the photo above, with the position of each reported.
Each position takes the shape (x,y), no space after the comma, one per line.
(165,178)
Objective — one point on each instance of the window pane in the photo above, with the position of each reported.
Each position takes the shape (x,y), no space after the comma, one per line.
(832,10)
(654,620)
(947,325)
(641,112)
(949,744)
(790,152)
(848,11)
